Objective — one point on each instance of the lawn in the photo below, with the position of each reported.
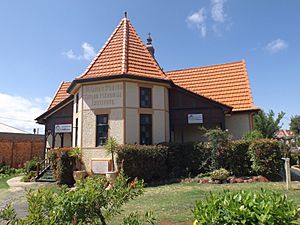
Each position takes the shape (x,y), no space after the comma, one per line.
(3,184)
(174,203)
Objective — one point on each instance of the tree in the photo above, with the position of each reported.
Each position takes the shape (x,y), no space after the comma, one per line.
(295,124)
(267,124)
(111,148)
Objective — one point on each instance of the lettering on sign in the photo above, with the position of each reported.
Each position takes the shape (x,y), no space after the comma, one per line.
(100,166)
(63,128)
(103,95)
(195,118)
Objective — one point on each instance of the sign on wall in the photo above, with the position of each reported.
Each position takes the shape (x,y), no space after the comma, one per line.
(103,95)
(195,118)
(100,166)
(63,128)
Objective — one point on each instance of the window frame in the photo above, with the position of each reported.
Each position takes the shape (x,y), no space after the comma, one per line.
(76,132)
(148,126)
(98,126)
(140,95)
(77,102)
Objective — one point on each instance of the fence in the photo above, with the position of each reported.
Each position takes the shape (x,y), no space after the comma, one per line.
(16,149)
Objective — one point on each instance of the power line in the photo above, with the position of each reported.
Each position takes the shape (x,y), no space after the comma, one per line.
(15,128)
(31,121)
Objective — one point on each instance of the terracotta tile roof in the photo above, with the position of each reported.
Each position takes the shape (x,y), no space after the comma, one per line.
(61,94)
(123,53)
(226,83)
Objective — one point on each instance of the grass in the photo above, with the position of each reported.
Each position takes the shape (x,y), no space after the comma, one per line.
(3,184)
(174,203)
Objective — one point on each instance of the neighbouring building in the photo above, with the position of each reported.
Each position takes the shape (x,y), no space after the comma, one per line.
(125,94)
(18,146)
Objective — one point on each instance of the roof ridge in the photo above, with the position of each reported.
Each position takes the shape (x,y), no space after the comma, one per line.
(200,67)
(154,61)
(102,49)
(125,47)
(248,82)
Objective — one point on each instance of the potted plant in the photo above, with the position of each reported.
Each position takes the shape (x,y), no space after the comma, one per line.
(111,148)
(78,174)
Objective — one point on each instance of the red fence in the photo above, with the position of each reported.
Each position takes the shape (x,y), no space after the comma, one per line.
(16,149)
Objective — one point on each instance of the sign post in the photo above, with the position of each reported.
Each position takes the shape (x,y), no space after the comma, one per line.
(287,172)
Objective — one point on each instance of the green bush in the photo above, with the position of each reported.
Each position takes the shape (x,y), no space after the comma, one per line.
(89,203)
(6,170)
(146,162)
(31,165)
(253,135)
(66,168)
(246,207)
(238,158)
(29,176)
(221,174)
(187,159)
(136,219)
(266,157)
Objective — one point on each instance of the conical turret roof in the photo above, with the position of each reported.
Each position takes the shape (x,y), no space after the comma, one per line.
(124,53)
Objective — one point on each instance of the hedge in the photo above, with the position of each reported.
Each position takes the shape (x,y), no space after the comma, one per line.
(146,162)
(266,157)
(170,160)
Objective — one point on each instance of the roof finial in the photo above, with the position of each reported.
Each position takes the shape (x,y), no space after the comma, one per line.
(149,45)
(149,39)
(125,13)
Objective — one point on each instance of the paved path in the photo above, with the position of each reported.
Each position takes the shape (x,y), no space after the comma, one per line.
(16,194)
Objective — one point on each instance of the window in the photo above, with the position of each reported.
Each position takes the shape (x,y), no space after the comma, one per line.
(102,129)
(77,101)
(145,129)
(76,132)
(145,97)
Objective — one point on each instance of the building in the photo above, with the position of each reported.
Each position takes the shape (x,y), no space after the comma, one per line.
(125,94)
(18,146)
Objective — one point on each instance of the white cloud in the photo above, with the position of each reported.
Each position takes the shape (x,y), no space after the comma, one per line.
(88,52)
(217,10)
(20,112)
(198,19)
(215,22)
(276,45)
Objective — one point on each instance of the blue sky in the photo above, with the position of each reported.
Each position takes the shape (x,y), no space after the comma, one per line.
(45,42)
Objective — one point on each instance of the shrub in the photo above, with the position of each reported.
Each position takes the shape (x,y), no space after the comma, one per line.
(146,162)
(66,167)
(253,135)
(136,219)
(6,170)
(221,174)
(238,159)
(246,207)
(31,165)
(89,203)
(187,159)
(28,177)
(219,141)
(266,157)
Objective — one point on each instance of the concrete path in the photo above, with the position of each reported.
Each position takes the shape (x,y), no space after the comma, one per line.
(16,194)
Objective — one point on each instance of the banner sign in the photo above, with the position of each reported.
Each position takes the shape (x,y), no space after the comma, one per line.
(63,128)
(195,118)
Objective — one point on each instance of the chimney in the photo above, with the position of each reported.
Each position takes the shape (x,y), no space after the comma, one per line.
(149,45)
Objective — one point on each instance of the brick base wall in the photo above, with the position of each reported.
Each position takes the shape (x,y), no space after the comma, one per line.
(15,151)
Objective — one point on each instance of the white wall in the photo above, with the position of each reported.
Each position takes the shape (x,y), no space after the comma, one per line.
(238,124)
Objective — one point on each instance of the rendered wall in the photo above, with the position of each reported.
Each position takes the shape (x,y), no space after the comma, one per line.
(238,124)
